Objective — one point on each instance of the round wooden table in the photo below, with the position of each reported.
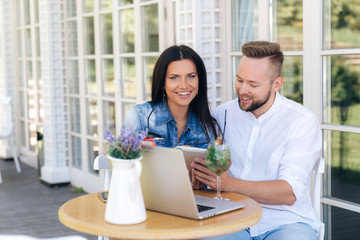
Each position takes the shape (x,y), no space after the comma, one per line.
(86,214)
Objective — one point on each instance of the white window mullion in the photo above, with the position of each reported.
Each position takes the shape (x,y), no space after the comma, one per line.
(82,82)
(138,51)
(265,20)
(312,84)
(99,70)
(117,73)
(162,23)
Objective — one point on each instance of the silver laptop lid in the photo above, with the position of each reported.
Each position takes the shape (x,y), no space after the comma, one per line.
(165,183)
(166,186)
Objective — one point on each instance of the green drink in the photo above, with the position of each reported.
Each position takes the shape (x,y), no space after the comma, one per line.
(218,161)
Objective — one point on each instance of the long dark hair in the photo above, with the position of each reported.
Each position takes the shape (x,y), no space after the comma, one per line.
(199,105)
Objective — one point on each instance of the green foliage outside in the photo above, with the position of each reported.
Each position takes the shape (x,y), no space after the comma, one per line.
(344,25)
(344,22)
(345,110)
(293,79)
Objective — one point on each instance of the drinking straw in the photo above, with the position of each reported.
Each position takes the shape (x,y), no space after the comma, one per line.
(224,125)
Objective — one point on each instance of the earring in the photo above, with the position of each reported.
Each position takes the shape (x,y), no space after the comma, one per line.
(163,96)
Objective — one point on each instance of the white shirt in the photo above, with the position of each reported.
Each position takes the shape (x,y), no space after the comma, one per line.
(283,143)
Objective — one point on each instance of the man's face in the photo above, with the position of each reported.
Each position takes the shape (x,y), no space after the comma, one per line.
(255,85)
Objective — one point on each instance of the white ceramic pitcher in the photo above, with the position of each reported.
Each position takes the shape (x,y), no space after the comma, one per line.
(125,204)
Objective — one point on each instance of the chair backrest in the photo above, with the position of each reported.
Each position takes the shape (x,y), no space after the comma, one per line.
(317,184)
(6,123)
(316,191)
(101,163)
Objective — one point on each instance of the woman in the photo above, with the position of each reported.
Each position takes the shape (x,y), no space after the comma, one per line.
(178,113)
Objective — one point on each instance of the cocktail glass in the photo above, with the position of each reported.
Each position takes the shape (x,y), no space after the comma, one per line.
(218,161)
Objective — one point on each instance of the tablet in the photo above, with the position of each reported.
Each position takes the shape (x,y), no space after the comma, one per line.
(190,153)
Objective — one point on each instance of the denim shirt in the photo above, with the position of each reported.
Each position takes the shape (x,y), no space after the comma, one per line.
(163,125)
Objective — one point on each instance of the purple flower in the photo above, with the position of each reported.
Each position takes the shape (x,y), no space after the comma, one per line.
(109,137)
(126,146)
(126,135)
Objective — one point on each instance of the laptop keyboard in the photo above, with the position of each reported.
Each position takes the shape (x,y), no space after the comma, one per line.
(202,208)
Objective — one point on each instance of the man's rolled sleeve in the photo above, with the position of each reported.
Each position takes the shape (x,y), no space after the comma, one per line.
(302,152)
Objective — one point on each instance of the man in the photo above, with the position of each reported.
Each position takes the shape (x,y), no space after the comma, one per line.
(274,142)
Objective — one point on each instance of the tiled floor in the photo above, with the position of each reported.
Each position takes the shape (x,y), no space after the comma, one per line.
(29,207)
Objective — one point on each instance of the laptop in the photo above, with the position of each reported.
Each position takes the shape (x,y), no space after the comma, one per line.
(167,188)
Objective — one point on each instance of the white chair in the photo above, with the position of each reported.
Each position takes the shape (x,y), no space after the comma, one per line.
(6,128)
(101,163)
(316,191)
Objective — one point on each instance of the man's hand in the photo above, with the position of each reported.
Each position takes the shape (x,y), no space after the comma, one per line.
(277,192)
(205,176)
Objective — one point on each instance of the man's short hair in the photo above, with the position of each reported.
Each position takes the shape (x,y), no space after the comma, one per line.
(265,49)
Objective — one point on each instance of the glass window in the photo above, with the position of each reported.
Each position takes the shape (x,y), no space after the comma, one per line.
(342,100)
(344,223)
(75,114)
(36,8)
(127,34)
(149,64)
(91,117)
(89,40)
(28,42)
(71,33)
(19,42)
(41,108)
(18,12)
(23,133)
(244,23)
(21,74)
(108,77)
(125,2)
(106,34)
(32,136)
(22,104)
(70,8)
(125,109)
(29,75)
(128,77)
(90,77)
(39,75)
(235,65)
(93,152)
(26,12)
(76,152)
(109,115)
(150,28)
(37,34)
(292,72)
(31,101)
(73,76)
(88,6)
(341,24)
(105,4)
(288,24)
(344,154)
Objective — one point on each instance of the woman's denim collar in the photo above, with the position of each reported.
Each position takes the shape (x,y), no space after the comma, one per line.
(163,116)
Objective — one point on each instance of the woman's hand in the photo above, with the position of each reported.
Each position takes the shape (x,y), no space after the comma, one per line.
(196,184)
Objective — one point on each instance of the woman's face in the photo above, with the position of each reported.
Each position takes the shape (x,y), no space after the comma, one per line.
(181,83)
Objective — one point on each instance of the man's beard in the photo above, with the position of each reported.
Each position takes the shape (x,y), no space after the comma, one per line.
(256,104)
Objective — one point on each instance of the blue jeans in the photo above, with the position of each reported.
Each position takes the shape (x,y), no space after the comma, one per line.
(294,231)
